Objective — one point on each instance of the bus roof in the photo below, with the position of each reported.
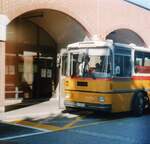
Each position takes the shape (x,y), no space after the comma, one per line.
(85,44)
(133,46)
(141,49)
(107,43)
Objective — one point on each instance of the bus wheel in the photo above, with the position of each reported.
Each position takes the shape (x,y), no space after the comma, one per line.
(138,104)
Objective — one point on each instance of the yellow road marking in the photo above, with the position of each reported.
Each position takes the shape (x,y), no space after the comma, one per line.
(56,128)
(72,123)
(49,127)
(39,125)
(76,120)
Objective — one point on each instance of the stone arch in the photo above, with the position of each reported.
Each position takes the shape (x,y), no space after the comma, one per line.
(22,7)
(76,27)
(62,30)
(124,35)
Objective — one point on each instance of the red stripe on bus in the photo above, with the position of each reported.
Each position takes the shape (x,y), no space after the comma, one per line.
(141,78)
(143,69)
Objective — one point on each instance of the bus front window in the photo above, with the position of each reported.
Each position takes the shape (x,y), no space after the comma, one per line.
(95,63)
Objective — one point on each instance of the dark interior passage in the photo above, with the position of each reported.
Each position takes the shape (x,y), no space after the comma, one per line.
(34,40)
(29,59)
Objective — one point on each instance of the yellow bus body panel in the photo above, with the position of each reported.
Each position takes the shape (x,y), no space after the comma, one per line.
(118,93)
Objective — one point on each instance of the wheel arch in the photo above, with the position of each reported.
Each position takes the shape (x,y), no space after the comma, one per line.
(145,95)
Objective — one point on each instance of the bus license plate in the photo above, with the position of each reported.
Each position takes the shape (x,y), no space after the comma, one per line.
(80,104)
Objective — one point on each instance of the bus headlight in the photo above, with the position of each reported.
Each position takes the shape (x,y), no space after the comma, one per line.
(101,99)
(67,96)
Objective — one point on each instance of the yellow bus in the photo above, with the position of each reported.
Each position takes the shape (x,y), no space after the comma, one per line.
(107,76)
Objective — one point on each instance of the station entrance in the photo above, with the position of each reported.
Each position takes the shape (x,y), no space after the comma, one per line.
(34,42)
(30,75)
(43,82)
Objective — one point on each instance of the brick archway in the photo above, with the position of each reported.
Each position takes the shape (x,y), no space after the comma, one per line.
(19,8)
(22,37)
(59,25)
(126,36)
(97,16)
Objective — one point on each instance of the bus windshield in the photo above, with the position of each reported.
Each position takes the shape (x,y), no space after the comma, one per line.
(91,62)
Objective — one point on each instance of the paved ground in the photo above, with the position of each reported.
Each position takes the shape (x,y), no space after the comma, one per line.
(11,130)
(80,127)
(40,110)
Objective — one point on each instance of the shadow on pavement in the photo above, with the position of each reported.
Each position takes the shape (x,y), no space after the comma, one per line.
(25,103)
(103,115)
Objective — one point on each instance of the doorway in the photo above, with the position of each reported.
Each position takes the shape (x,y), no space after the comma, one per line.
(43,82)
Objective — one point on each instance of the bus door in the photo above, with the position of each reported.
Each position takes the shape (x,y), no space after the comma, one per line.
(42,78)
(63,58)
(122,78)
(122,63)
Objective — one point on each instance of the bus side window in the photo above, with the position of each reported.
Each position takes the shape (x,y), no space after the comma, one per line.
(127,66)
(124,64)
(123,61)
(147,59)
(138,61)
(119,65)
(142,62)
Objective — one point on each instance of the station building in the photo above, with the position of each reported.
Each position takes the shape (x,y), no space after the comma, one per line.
(34,33)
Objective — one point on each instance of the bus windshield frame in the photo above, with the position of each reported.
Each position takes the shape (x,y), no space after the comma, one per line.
(90,62)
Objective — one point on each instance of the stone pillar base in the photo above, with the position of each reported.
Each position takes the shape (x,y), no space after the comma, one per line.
(2,109)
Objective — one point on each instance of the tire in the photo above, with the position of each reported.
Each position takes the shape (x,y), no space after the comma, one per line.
(138,104)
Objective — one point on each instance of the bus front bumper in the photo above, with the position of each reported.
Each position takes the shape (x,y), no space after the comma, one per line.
(103,107)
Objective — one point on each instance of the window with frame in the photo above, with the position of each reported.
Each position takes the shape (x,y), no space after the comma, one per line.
(123,61)
(142,62)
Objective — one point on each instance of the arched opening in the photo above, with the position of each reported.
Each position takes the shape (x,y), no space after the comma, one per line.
(126,36)
(33,41)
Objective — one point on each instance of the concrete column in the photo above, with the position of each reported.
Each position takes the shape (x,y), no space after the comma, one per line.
(2,76)
(3,25)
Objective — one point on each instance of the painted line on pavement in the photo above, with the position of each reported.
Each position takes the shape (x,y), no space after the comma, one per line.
(39,126)
(79,118)
(26,126)
(22,136)
(52,128)
(72,123)
(89,124)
